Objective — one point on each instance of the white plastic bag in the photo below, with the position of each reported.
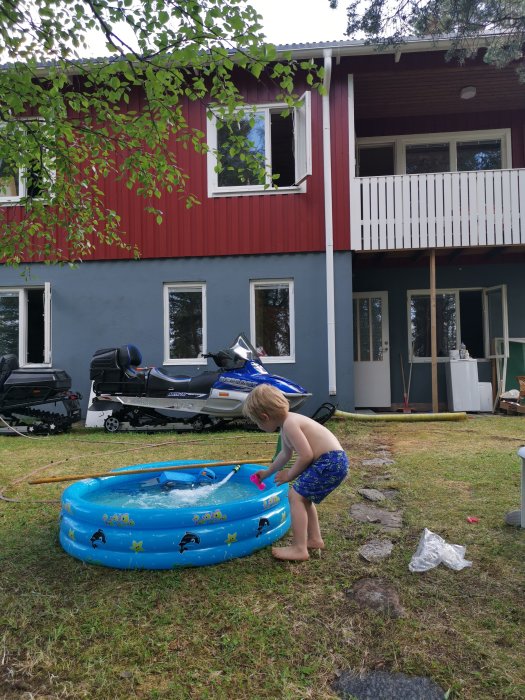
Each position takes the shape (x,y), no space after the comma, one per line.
(433,550)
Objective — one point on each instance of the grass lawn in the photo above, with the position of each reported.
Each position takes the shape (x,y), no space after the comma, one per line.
(258,629)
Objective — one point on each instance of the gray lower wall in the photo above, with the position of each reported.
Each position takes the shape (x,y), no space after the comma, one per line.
(107,304)
(400,279)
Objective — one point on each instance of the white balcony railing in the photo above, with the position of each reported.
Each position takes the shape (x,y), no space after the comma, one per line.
(438,210)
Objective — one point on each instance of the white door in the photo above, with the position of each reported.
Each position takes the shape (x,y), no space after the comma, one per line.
(371,350)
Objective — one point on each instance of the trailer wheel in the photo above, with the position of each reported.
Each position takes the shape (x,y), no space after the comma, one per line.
(111,424)
(198,424)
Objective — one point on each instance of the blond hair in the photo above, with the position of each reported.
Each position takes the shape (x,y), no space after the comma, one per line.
(265,399)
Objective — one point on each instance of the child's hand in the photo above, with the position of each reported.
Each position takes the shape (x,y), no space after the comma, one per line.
(282,477)
(262,474)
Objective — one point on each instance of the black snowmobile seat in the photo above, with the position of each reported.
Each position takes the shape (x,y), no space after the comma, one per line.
(160,383)
(124,357)
(7,364)
(129,358)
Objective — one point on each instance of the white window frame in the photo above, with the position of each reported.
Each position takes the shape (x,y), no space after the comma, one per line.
(8,198)
(184,287)
(22,183)
(269,283)
(23,324)
(456,292)
(302,149)
(451,137)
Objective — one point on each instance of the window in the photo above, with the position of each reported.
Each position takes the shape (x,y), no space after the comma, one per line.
(184,324)
(459,319)
(479,155)
(17,182)
(368,328)
(25,324)
(427,158)
(376,160)
(434,153)
(281,140)
(10,181)
(272,319)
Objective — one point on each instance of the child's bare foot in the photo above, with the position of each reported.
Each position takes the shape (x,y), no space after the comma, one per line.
(316,544)
(291,553)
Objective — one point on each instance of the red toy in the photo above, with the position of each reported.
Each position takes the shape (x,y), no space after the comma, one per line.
(254,478)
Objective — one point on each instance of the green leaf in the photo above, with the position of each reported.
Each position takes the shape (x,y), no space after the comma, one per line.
(123,115)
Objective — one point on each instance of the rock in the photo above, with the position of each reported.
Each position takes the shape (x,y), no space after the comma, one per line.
(376,550)
(378,462)
(381,685)
(390,521)
(371,494)
(390,493)
(377,594)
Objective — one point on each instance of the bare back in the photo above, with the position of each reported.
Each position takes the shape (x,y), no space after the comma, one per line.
(319,438)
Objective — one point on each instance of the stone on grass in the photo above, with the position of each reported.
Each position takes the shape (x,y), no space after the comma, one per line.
(381,685)
(388,520)
(390,493)
(379,462)
(378,594)
(376,550)
(371,494)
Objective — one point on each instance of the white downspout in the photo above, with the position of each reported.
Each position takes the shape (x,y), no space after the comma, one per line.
(329,225)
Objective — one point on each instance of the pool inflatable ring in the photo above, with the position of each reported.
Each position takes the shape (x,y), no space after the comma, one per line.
(140,537)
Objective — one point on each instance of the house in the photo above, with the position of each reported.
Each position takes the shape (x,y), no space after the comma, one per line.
(402,189)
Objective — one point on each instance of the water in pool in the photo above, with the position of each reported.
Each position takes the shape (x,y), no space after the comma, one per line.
(149,494)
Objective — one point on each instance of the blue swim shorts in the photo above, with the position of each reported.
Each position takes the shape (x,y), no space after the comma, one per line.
(322,476)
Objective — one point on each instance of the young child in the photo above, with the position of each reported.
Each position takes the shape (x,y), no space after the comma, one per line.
(320,467)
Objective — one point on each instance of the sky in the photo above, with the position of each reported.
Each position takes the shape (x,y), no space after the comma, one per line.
(301,21)
(284,22)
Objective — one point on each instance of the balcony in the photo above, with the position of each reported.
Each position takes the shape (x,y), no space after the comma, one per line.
(438,210)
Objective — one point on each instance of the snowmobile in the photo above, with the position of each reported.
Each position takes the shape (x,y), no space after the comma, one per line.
(136,398)
(27,396)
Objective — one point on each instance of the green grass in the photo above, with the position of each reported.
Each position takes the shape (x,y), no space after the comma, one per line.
(255,628)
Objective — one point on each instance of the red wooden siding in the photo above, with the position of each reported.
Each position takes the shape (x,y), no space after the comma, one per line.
(418,94)
(255,224)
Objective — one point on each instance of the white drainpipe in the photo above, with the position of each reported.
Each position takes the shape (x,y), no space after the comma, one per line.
(329,226)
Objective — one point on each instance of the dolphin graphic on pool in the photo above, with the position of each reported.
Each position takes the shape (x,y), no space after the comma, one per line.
(263,522)
(188,538)
(97,536)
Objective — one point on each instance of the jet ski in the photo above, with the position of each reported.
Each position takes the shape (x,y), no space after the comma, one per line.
(132,397)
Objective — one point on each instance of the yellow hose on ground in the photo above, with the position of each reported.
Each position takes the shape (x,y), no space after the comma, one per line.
(401,416)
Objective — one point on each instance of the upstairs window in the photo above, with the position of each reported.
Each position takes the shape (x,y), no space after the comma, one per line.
(281,141)
(427,158)
(11,184)
(17,182)
(434,153)
(184,324)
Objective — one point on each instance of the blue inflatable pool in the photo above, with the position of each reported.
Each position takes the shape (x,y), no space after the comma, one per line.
(135,522)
